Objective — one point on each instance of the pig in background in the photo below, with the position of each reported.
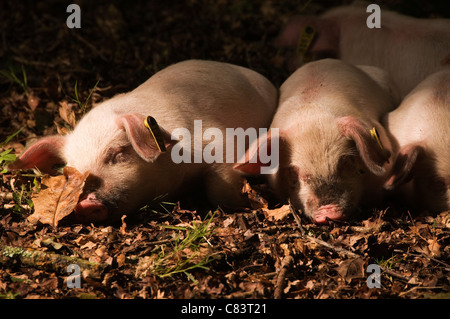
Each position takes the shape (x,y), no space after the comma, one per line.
(408,48)
(420,127)
(127,170)
(329,163)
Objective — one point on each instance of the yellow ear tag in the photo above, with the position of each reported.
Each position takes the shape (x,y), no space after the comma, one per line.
(376,137)
(304,42)
(153,127)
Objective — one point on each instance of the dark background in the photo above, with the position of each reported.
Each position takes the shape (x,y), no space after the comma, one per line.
(122,43)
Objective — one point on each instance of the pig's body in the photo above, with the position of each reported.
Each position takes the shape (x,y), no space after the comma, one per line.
(126,168)
(409,49)
(421,130)
(329,164)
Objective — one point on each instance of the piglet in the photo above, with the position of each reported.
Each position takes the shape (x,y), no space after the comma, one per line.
(421,130)
(331,158)
(128,168)
(408,48)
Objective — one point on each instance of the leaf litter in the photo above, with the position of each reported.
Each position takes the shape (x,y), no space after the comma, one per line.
(180,250)
(59,198)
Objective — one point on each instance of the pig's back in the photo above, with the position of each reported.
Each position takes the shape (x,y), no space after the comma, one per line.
(219,94)
(408,48)
(424,115)
(331,88)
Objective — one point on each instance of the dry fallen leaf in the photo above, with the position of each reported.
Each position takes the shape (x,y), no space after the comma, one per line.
(351,269)
(278,213)
(60,198)
(254,198)
(67,114)
(33,101)
(434,247)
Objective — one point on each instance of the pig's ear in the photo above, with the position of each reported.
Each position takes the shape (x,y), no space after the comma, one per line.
(252,163)
(326,38)
(140,137)
(43,154)
(404,165)
(370,151)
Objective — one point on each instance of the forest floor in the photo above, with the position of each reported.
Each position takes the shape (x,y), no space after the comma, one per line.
(50,73)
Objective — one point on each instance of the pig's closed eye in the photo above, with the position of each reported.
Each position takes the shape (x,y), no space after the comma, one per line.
(439,185)
(293,176)
(117,155)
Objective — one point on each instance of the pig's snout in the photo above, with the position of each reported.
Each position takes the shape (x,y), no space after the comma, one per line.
(326,212)
(90,209)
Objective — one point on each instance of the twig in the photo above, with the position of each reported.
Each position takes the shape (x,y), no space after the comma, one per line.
(90,45)
(285,266)
(316,240)
(337,249)
(6,196)
(395,274)
(416,288)
(49,261)
(447,266)
(160,242)
(296,217)
(34,63)
(240,295)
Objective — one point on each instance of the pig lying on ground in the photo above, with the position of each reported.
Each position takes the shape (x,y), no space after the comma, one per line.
(329,162)
(421,130)
(409,49)
(126,167)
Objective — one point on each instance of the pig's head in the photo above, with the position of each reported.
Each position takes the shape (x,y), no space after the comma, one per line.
(326,39)
(325,43)
(116,150)
(331,167)
(424,174)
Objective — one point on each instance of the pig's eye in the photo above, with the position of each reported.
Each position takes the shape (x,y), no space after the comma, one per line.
(119,158)
(293,172)
(439,185)
(117,155)
(293,176)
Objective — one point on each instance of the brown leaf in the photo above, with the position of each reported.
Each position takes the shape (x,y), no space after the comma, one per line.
(67,114)
(434,247)
(33,101)
(278,213)
(60,198)
(255,199)
(351,269)
(120,260)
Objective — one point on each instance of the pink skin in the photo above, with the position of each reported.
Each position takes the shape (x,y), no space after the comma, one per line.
(420,127)
(91,209)
(326,212)
(127,169)
(330,163)
(400,43)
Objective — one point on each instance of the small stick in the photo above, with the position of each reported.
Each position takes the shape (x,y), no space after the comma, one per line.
(285,266)
(296,217)
(49,261)
(337,249)
(316,240)
(6,196)
(395,274)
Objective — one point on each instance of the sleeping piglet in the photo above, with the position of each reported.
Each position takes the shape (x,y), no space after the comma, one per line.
(127,168)
(408,48)
(421,130)
(330,162)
